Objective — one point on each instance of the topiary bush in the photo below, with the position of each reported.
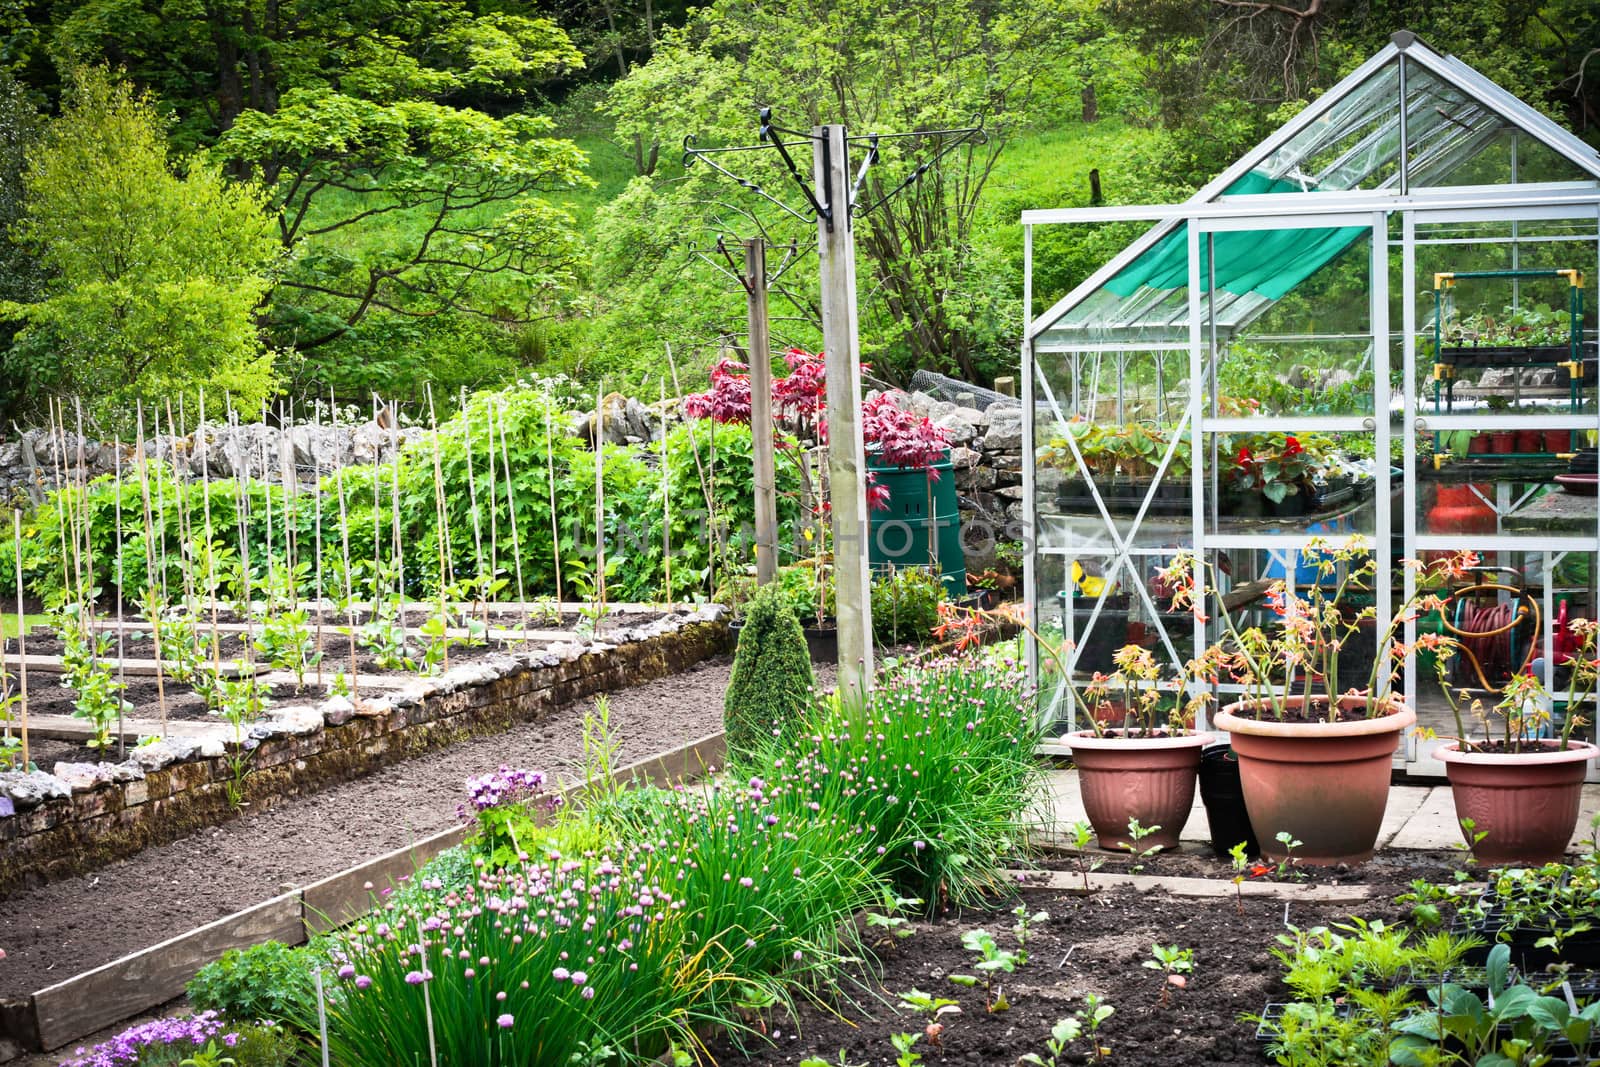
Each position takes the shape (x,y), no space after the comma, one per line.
(771,683)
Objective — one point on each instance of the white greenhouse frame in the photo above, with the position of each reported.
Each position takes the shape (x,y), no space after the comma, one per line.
(1389,212)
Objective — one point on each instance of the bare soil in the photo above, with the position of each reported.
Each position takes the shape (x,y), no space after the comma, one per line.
(1091,945)
(59,930)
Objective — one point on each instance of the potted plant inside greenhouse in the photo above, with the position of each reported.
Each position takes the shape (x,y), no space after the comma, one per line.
(1139,760)
(1517,788)
(1314,749)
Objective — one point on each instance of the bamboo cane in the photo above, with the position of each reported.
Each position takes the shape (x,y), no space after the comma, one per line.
(516,543)
(599,505)
(440,521)
(550,478)
(150,583)
(22,633)
(666,499)
(472,507)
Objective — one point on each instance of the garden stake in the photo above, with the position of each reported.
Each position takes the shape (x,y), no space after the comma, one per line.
(83,485)
(212,584)
(599,590)
(394,509)
(22,632)
(349,586)
(316,497)
(160,510)
(427,1006)
(150,582)
(266,499)
(122,667)
(185,535)
(550,475)
(493,498)
(511,502)
(472,508)
(66,500)
(705,490)
(291,507)
(377,518)
(322,1015)
(241,512)
(439,522)
(666,500)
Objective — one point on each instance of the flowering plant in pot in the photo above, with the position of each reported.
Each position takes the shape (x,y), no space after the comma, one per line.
(1517,790)
(1143,770)
(1314,755)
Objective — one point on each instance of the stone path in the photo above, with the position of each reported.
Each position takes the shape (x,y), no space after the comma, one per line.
(1419,816)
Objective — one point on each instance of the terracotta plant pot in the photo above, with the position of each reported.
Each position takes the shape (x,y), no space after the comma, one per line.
(1326,784)
(1525,805)
(1150,779)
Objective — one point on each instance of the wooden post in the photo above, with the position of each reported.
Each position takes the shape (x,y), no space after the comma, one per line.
(846,453)
(755,284)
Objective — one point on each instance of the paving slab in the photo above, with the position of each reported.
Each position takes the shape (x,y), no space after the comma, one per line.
(1419,816)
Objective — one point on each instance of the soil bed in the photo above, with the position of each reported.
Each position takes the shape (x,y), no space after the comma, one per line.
(64,928)
(47,695)
(1391,867)
(1090,945)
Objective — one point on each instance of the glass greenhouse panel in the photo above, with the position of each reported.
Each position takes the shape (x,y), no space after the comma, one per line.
(1283,483)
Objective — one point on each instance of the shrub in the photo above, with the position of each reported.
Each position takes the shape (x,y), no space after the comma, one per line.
(256,1045)
(934,772)
(267,981)
(770,687)
(905,605)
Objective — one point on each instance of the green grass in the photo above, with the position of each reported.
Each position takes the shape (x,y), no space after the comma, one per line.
(9,627)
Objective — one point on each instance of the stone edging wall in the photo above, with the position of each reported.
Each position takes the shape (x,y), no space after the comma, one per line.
(58,827)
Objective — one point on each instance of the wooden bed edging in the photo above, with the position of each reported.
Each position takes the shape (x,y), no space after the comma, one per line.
(144,980)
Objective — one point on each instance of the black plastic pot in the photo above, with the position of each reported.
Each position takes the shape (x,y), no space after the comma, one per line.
(1223,797)
(1097,646)
(823,642)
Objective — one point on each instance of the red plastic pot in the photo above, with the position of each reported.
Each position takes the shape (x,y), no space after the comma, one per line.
(1530,441)
(1503,442)
(1524,804)
(1478,445)
(1326,784)
(1558,440)
(1461,509)
(1150,779)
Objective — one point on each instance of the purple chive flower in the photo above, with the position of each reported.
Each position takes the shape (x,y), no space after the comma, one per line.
(561,974)
(505,1021)
(588,992)
(347,971)
(363,982)
(579,977)
(413,978)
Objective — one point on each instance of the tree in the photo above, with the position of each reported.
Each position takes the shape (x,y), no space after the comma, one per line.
(22,276)
(913,68)
(156,272)
(412,208)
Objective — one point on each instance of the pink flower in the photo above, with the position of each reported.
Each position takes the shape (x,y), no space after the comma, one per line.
(505,1021)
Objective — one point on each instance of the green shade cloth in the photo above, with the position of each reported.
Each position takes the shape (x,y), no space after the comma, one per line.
(1269,263)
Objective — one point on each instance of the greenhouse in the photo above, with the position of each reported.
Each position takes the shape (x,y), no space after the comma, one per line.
(1379,322)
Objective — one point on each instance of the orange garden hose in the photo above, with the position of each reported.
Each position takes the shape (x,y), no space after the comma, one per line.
(1528,607)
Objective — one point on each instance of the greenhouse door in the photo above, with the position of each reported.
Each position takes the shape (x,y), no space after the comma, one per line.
(1499,391)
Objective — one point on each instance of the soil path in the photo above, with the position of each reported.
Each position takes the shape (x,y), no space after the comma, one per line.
(59,930)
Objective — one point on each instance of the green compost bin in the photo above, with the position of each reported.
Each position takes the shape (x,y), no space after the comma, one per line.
(921,512)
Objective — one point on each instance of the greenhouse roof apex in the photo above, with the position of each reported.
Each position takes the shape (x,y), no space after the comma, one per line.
(1409,127)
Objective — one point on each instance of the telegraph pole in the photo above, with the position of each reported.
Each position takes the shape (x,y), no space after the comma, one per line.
(847,487)
(760,344)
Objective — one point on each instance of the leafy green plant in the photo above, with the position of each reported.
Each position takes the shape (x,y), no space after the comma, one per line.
(889,919)
(286,641)
(89,671)
(1175,962)
(1083,837)
(1067,1030)
(771,684)
(265,981)
(929,1005)
(905,605)
(903,1044)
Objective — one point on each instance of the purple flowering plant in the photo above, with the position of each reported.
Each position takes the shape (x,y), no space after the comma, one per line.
(507,805)
(532,963)
(138,1044)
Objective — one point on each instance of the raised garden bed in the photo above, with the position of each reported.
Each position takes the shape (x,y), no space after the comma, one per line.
(56,825)
(140,981)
